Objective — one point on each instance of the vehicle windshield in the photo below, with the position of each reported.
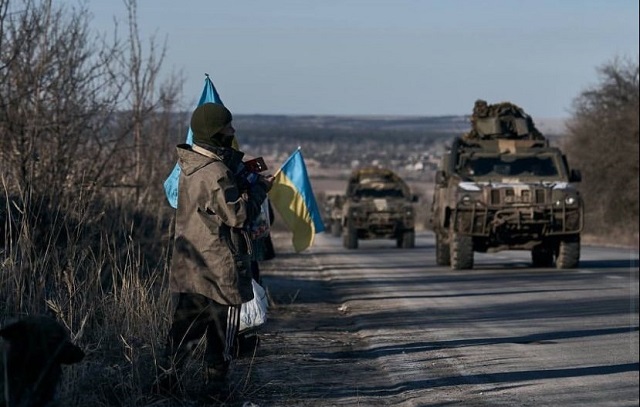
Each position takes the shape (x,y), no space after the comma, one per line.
(509,166)
(379,193)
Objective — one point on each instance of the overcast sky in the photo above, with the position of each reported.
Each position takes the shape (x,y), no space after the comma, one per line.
(386,57)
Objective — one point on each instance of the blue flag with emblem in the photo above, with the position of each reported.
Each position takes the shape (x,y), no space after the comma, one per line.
(209,95)
(291,195)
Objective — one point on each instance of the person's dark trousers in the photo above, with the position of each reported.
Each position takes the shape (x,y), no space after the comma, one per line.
(196,315)
(255,271)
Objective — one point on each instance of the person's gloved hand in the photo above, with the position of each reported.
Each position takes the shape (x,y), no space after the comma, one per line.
(267,180)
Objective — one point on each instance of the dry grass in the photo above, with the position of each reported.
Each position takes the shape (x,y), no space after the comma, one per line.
(102,272)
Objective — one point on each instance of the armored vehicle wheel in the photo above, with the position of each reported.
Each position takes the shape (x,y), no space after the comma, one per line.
(408,239)
(443,258)
(568,253)
(350,238)
(336,229)
(542,256)
(461,251)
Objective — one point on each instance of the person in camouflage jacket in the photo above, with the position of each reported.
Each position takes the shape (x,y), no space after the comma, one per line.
(210,274)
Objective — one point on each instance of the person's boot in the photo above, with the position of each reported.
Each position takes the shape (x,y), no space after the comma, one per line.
(217,383)
(246,343)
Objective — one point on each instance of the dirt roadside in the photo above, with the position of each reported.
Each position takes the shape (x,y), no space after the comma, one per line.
(303,357)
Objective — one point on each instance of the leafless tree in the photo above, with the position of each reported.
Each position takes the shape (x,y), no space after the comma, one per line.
(82,117)
(603,143)
(78,110)
(149,107)
(58,91)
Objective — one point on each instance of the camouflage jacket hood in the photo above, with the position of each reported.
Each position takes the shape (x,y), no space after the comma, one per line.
(212,250)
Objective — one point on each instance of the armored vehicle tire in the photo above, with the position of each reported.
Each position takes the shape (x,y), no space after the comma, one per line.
(336,229)
(568,253)
(542,256)
(443,258)
(461,251)
(407,239)
(350,238)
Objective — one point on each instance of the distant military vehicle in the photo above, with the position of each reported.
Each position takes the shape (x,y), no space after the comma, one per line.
(333,213)
(503,187)
(377,204)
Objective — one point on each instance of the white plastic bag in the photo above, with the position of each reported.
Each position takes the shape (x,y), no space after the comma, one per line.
(254,313)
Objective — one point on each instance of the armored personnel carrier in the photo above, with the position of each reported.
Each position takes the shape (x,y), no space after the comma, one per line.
(503,187)
(378,204)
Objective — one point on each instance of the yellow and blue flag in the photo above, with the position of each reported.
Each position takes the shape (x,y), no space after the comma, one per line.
(209,95)
(291,195)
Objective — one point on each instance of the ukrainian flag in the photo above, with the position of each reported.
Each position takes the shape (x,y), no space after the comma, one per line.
(292,197)
(209,95)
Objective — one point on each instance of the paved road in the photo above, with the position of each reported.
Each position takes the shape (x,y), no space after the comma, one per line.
(386,326)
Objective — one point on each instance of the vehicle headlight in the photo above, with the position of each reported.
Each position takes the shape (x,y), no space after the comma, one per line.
(569,200)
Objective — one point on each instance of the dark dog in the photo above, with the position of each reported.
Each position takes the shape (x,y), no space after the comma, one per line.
(30,360)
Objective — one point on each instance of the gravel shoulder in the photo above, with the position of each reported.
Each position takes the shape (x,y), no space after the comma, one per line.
(314,350)
(303,357)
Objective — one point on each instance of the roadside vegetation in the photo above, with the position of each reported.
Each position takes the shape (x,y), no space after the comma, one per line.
(603,143)
(87,135)
(86,142)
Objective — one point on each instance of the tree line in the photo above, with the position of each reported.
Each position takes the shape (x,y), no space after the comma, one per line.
(602,142)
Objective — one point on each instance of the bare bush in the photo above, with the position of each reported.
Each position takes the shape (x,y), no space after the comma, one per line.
(603,143)
(57,92)
(84,227)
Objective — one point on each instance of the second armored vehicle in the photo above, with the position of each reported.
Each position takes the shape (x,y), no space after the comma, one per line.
(378,204)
